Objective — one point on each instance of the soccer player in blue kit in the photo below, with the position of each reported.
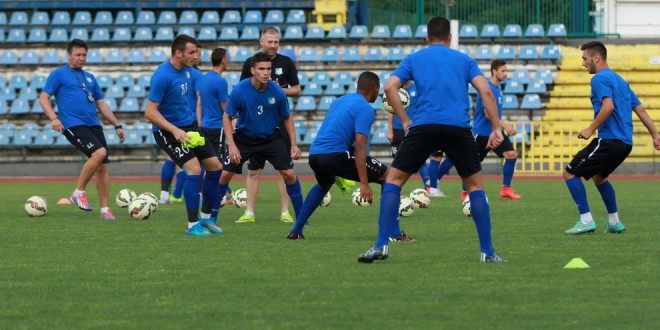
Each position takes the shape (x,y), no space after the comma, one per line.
(168,109)
(442,122)
(613,102)
(259,104)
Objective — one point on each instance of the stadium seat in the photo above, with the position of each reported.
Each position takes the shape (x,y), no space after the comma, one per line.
(229,33)
(19,106)
(157,56)
(326,101)
(2,35)
(124,80)
(61,18)
(379,137)
(30,58)
(114,92)
(402,31)
(124,17)
(144,80)
(536,86)
(8,58)
(544,75)
(395,54)
(18,18)
(301,130)
(330,54)
(312,89)
(512,31)
(129,104)
(188,17)
(231,17)
(143,33)
(468,31)
(112,103)
(557,31)
(145,17)
(94,56)
(40,18)
(358,32)
(3,110)
(528,52)
(77,33)
(464,49)
(58,35)
(315,32)
(337,32)
(490,31)
(38,81)
(303,79)
(241,55)
(335,88)
(293,32)
(104,80)
(343,78)
(45,137)
(3,18)
(22,139)
(484,53)
(187,30)
(207,33)
(506,53)
(115,56)
(321,77)
(421,32)
(232,78)
(28,93)
(310,136)
(534,31)
(384,75)
(373,54)
(210,17)
(274,16)
(288,52)
(509,101)
(378,104)
(380,31)
(206,56)
(166,17)
(82,18)
(18,81)
(514,87)
(250,33)
(296,16)
(136,91)
(16,35)
(121,34)
(308,54)
(133,138)
(531,101)
(103,18)
(306,103)
(100,35)
(551,52)
(37,35)
(253,17)
(164,33)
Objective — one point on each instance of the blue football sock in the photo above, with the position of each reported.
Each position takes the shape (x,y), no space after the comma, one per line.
(191,195)
(295,194)
(210,191)
(424,173)
(201,182)
(178,186)
(609,197)
(389,211)
(481,216)
(507,171)
(433,173)
(312,201)
(579,193)
(166,175)
(445,166)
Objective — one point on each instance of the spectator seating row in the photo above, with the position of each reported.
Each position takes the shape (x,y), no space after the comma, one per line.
(508,52)
(512,31)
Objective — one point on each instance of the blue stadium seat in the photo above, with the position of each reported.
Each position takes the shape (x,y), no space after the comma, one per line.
(380,137)
(296,16)
(509,101)
(22,139)
(231,17)
(133,138)
(312,89)
(104,80)
(145,17)
(531,101)
(188,17)
(232,78)
(143,107)
(207,33)
(103,18)
(288,52)
(314,32)
(310,136)
(373,54)
(514,87)
(77,33)
(402,31)
(308,54)
(395,54)
(36,108)
(30,57)
(3,110)
(343,78)
(241,55)
(534,31)
(18,81)
(306,103)
(506,53)
(45,137)
(253,16)
(528,52)
(229,33)
(468,31)
(384,75)
(557,31)
(352,88)
(164,33)
(3,18)
(206,56)
(114,92)
(293,32)
(19,106)
(378,104)
(335,88)
(301,130)
(111,137)
(358,32)
(38,81)
(330,54)
(274,16)
(144,80)
(512,31)
(143,33)
(464,49)
(551,52)
(536,86)
(40,18)
(136,91)
(210,17)
(94,56)
(129,104)
(337,32)
(112,103)
(37,35)
(188,30)
(544,75)
(421,32)
(58,35)
(121,34)
(115,56)
(135,56)
(380,31)
(490,31)
(28,93)
(61,18)
(484,52)
(2,35)
(166,17)
(18,18)
(82,18)
(100,35)
(124,17)
(326,101)
(321,77)
(16,35)
(250,33)
(303,79)
(125,80)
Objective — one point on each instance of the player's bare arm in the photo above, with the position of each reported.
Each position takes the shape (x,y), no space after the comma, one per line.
(44,101)
(606,109)
(648,123)
(291,129)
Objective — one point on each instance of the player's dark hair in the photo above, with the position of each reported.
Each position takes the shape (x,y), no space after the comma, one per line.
(595,47)
(496,64)
(367,81)
(217,56)
(270,30)
(181,41)
(438,29)
(259,57)
(76,43)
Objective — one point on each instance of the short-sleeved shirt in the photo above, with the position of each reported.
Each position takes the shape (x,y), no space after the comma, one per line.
(259,112)
(606,83)
(284,71)
(213,90)
(441,76)
(170,88)
(481,125)
(412,107)
(196,77)
(74,107)
(347,116)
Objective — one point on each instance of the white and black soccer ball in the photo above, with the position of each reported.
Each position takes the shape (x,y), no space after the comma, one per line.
(36,206)
(139,209)
(405,100)
(151,198)
(420,198)
(406,207)
(125,197)
(240,198)
(357,199)
(327,199)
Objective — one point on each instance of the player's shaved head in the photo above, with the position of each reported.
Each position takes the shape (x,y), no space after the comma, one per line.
(367,81)
(438,29)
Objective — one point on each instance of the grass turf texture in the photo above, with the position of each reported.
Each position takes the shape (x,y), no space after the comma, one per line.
(72,270)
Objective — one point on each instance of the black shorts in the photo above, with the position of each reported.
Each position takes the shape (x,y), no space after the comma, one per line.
(482,141)
(257,162)
(421,141)
(342,164)
(271,149)
(399,134)
(216,138)
(601,156)
(179,154)
(87,139)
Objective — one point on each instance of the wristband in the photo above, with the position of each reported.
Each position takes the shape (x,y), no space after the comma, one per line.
(119,126)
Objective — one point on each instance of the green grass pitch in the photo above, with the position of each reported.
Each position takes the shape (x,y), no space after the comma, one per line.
(70,270)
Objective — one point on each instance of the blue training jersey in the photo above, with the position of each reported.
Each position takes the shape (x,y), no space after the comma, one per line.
(171,89)
(481,125)
(441,76)
(347,116)
(606,83)
(73,105)
(258,112)
(412,107)
(213,90)
(196,77)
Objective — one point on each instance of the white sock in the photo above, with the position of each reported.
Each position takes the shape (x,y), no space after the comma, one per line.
(586,218)
(164,194)
(613,218)
(250,213)
(105,209)
(192,224)
(204,216)
(78,192)
(284,212)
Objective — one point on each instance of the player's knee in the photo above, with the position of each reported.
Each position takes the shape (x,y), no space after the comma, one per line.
(511,154)
(568,176)
(226,176)
(289,176)
(99,155)
(254,174)
(192,167)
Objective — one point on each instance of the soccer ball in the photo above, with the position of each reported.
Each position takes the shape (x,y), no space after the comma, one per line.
(139,209)
(405,99)
(151,198)
(240,198)
(358,200)
(406,207)
(36,206)
(420,198)
(466,206)
(327,199)
(125,197)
